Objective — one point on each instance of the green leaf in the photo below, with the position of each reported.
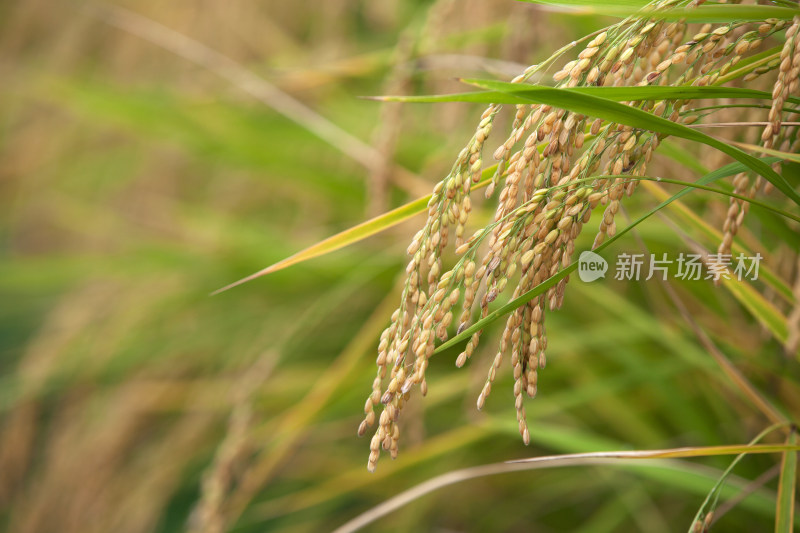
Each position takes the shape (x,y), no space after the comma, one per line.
(550,461)
(356,233)
(784,511)
(577,4)
(726,13)
(517,93)
(727,170)
(748,66)
(643,8)
(692,451)
(786,156)
(614,111)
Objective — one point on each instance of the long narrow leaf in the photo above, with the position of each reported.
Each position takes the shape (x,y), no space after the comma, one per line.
(551,461)
(703,13)
(352,235)
(784,517)
(515,93)
(340,240)
(622,114)
(746,67)
(633,5)
(769,151)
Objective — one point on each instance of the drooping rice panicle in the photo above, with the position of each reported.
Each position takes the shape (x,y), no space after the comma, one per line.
(553,169)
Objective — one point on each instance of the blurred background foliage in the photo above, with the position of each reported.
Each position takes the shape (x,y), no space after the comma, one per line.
(133,182)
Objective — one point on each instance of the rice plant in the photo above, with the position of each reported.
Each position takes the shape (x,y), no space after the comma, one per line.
(568,152)
(154,153)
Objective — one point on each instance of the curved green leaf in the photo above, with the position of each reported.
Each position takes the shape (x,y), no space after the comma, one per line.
(786,156)
(356,233)
(643,8)
(518,93)
(622,114)
(549,461)
(784,512)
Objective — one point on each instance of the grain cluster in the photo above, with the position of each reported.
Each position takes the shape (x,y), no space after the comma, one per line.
(554,169)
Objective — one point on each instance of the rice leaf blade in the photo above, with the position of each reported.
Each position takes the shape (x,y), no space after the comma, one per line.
(515,93)
(352,235)
(643,8)
(784,516)
(616,112)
